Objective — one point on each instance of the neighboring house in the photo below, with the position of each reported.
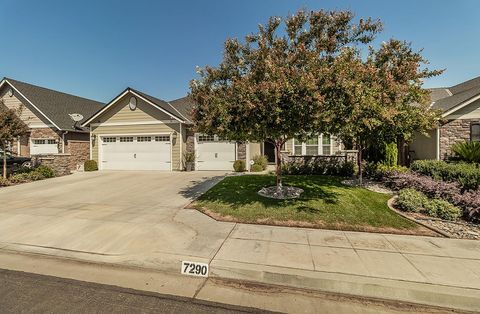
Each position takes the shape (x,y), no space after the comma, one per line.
(46,113)
(460,107)
(136,131)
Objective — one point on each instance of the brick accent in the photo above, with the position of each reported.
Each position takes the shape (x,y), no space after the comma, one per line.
(60,163)
(242,151)
(452,132)
(79,153)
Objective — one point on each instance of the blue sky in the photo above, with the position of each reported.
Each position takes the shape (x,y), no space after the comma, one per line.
(97,48)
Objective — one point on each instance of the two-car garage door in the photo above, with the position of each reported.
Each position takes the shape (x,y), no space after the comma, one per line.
(136,152)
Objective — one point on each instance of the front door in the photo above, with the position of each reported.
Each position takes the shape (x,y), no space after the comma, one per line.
(269,151)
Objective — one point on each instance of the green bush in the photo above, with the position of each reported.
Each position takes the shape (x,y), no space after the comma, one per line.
(410,200)
(391,154)
(467,175)
(442,209)
(23,169)
(239,166)
(44,171)
(4,182)
(467,151)
(90,165)
(256,168)
(20,178)
(260,160)
(380,171)
(318,165)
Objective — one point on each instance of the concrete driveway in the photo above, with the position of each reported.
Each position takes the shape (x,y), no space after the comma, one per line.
(132,218)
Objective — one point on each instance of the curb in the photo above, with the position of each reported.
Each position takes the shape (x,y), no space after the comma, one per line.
(447,297)
(390,203)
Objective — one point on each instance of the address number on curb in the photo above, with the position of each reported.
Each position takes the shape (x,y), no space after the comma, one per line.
(194,269)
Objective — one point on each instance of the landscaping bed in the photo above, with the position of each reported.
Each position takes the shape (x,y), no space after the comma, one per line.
(25,175)
(325,203)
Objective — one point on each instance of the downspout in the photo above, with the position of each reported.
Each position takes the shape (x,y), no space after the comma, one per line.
(63,141)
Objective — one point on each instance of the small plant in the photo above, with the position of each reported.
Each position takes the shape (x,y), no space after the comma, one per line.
(261,161)
(90,165)
(4,182)
(256,168)
(410,200)
(44,171)
(391,154)
(467,151)
(239,166)
(20,178)
(442,209)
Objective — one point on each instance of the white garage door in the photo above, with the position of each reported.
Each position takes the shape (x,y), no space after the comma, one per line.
(214,154)
(131,152)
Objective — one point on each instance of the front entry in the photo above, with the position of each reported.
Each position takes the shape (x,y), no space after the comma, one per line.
(269,151)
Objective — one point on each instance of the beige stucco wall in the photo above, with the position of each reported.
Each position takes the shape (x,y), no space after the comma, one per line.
(424,147)
(145,119)
(254,150)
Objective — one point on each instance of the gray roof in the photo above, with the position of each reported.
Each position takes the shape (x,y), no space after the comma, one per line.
(184,105)
(455,95)
(57,105)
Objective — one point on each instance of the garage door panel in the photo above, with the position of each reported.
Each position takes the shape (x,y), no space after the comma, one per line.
(136,154)
(215,155)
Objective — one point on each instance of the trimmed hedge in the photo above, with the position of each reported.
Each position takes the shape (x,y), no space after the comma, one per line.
(410,200)
(90,165)
(239,166)
(256,168)
(413,201)
(467,175)
(320,166)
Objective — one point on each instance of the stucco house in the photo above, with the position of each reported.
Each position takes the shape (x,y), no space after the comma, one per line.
(136,131)
(52,132)
(460,107)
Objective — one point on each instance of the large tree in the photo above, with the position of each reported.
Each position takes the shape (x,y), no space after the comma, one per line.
(268,88)
(379,99)
(11,127)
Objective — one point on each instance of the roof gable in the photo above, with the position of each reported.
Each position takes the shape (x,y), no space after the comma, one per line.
(55,106)
(155,102)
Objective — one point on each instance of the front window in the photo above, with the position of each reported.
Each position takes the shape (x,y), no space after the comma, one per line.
(318,145)
(475,132)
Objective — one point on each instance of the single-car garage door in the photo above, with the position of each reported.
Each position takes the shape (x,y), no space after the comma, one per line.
(136,152)
(214,153)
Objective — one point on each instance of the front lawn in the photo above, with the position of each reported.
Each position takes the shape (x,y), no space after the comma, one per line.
(326,203)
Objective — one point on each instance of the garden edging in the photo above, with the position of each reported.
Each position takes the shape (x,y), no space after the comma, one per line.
(390,203)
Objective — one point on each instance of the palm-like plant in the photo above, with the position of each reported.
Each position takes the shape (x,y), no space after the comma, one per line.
(467,151)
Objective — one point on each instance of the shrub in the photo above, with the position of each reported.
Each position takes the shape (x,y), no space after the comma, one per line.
(43,171)
(379,171)
(90,165)
(467,151)
(20,178)
(467,175)
(391,154)
(23,169)
(318,165)
(4,182)
(260,160)
(411,200)
(468,201)
(256,168)
(239,166)
(442,209)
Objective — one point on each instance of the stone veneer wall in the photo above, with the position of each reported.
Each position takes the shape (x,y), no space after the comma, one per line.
(452,132)
(60,163)
(79,153)
(242,151)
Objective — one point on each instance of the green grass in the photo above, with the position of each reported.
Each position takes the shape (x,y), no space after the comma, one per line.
(325,203)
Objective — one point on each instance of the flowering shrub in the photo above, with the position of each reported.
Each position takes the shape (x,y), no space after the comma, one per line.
(467,175)
(468,201)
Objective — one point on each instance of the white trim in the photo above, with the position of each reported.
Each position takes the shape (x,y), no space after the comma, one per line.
(458,107)
(121,96)
(171,151)
(39,126)
(63,142)
(23,96)
(133,123)
(195,144)
(181,148)
(437,153)
(247,154)
(18,146)
(90,140)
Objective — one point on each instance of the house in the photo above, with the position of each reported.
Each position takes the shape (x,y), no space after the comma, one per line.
(47,113)
(136,131)
(460,107)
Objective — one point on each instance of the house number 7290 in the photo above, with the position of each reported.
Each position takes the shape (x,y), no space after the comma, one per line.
(194,269)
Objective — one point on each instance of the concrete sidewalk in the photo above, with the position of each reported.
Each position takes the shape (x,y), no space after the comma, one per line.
(425,270)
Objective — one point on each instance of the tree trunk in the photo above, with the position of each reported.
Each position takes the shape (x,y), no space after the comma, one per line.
(278,163)
(359,163)
(402,158)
